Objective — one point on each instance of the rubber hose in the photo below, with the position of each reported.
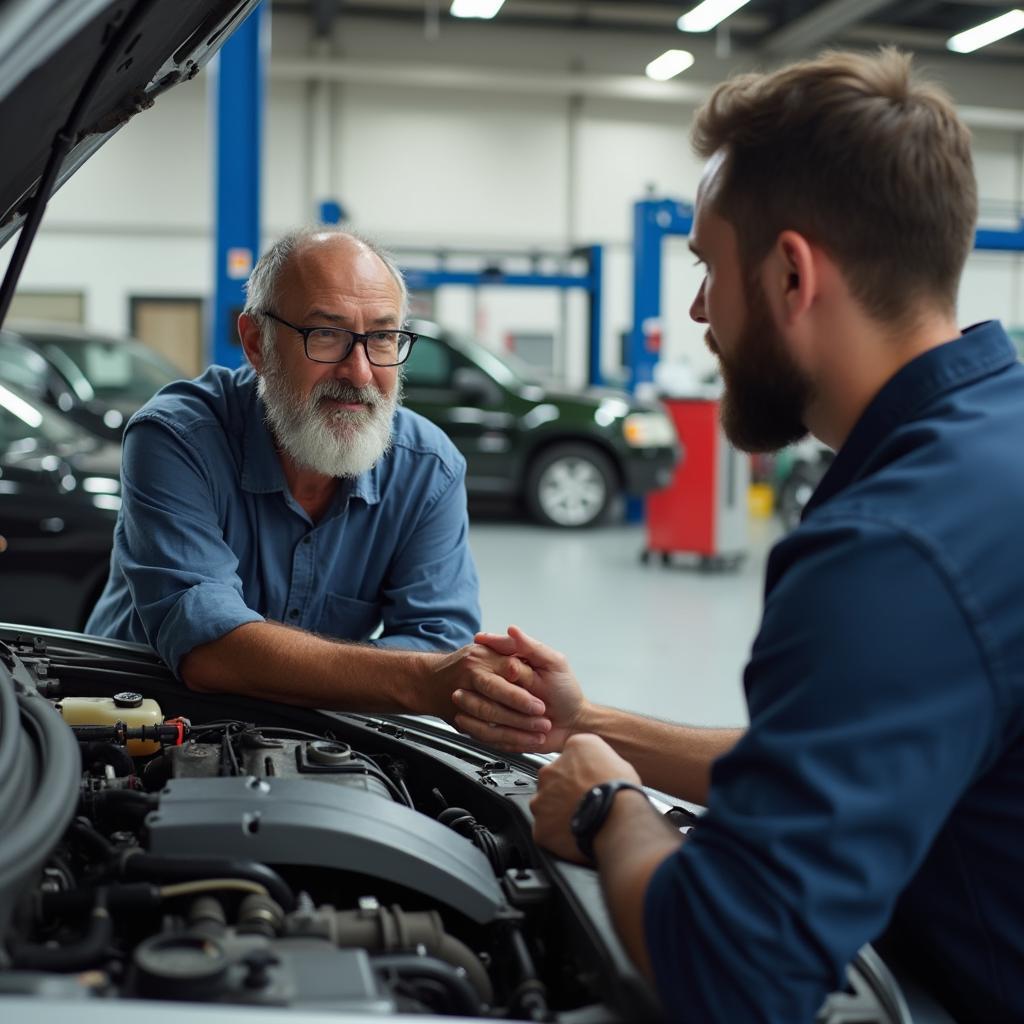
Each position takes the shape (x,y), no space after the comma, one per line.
(76,957)
(151,867)
(412,965)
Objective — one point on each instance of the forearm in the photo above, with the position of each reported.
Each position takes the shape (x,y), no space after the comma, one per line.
(270,661)
(629,848)
(675,759)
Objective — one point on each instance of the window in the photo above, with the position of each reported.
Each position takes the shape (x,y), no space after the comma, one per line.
(20,366)
(429,365)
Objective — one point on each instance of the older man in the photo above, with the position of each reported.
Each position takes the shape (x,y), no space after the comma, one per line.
(271,511)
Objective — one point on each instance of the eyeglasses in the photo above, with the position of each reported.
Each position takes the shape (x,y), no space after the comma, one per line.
(333,344)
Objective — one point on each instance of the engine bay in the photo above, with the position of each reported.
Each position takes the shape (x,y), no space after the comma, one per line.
(185,847)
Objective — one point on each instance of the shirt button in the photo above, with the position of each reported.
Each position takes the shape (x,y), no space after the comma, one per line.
(294,613)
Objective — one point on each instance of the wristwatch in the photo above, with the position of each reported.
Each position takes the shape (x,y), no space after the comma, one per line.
(592,811)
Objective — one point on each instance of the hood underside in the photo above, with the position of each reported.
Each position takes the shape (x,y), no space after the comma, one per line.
(50,52)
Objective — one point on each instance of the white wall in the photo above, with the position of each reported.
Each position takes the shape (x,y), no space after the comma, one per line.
(418,164)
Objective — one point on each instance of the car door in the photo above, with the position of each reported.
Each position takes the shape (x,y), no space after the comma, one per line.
(469,406)
(56,539)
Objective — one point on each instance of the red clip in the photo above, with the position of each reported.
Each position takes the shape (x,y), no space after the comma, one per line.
(182,724)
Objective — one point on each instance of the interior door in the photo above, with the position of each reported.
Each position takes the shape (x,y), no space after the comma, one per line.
(173,327)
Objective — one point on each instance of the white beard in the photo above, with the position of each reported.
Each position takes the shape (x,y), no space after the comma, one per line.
(341,442)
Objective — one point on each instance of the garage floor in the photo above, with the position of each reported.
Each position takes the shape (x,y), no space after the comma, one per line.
(664,641)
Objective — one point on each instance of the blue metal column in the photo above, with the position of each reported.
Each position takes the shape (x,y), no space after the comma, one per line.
(237,104)
(595,291)
(653,219)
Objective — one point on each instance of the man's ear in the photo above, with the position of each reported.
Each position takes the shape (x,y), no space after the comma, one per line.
(795,275)
(252,341)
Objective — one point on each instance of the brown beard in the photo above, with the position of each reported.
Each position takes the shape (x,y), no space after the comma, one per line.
(766,393)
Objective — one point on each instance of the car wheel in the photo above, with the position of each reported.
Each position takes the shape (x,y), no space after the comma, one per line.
(796,491)
(570,485)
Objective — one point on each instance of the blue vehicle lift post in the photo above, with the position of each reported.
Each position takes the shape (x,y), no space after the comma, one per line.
(237,104)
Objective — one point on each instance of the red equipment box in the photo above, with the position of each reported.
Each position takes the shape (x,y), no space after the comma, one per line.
(703,511)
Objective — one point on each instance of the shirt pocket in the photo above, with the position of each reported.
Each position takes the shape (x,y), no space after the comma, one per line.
(348,618)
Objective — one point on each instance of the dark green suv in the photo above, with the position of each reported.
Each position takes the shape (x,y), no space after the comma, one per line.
(567,455)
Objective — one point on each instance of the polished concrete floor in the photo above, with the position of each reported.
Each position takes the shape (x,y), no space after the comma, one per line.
(668,641)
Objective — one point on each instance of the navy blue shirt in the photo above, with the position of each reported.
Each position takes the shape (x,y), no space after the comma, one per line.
(882,775)
(209,536)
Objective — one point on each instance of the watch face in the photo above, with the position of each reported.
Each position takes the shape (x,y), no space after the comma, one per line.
(587,812)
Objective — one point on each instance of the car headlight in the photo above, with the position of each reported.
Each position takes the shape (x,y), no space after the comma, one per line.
(648,430)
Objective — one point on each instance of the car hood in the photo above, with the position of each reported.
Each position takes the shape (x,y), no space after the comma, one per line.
(132,51)
(590,398)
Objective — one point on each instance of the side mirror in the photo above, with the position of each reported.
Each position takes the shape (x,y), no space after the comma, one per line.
(474,387)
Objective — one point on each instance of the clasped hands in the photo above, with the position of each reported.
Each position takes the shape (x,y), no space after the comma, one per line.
(528,699)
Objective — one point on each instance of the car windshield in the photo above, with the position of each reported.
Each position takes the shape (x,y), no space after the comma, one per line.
(25,424)
(114,370)
(504,367)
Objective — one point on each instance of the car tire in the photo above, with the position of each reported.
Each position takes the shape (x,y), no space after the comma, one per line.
(796,491)
(570,485)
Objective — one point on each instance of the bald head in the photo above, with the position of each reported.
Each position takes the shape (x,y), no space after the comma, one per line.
(263,289)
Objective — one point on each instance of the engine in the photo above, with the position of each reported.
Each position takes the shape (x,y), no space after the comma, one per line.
(227,861)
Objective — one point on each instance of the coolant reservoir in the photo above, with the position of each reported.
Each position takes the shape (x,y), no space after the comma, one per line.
(131,708)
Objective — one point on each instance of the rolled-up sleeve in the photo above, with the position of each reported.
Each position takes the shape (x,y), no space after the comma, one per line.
(871,710)
(431,596)
(181,574)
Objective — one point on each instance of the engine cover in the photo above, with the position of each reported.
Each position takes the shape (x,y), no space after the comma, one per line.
(294,821)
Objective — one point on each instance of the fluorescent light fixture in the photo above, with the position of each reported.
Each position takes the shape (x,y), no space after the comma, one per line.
(475,8)
(669,64)
(704,17)
(989,32)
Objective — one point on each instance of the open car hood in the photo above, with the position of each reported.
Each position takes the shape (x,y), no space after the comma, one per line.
(49,51)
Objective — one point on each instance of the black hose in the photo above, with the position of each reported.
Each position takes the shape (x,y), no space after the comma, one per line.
(530,995)
(118,807)
(78,956)
(409,966)
(131,897)
(83,832)
(30,837)
(154,868)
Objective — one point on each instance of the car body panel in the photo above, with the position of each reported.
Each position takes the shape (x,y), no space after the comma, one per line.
(59,497)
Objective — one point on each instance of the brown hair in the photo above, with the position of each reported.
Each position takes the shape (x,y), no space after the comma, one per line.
(854,153)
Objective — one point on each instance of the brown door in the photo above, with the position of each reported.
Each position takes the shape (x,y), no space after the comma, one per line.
(173,327)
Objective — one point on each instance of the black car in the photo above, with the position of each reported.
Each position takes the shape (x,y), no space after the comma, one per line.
(97,380)
(59,497)
(566,454)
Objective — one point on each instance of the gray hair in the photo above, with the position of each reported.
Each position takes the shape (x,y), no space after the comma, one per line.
(261,293)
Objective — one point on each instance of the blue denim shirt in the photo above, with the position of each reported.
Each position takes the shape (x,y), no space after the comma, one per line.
(882,777)
(209,536)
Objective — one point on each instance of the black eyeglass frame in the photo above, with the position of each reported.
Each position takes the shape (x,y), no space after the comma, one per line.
(354,337)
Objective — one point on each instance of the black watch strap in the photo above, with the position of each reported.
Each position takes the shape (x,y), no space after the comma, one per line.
(593,811)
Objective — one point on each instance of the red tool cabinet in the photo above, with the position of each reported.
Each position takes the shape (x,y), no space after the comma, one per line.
(703,511)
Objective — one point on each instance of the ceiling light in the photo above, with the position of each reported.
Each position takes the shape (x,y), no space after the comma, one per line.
(669,64)
(989,32)
(475,8)
(704,17)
